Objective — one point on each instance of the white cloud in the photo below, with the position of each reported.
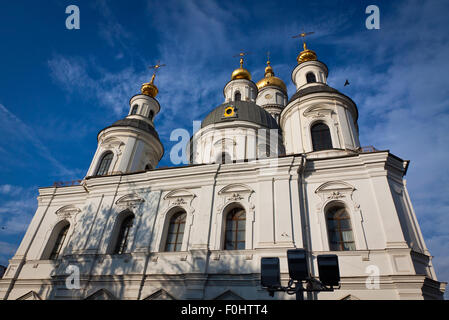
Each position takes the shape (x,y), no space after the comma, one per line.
(8,189)
(16,211)
(397,77)
(403,99)
(16,130)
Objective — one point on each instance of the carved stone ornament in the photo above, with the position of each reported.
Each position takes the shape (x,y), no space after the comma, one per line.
(235,193)
(235,197)
(335,195)
(333,190)
(67,212)
(179,197)
(130,201)
(179,202)
(318,111)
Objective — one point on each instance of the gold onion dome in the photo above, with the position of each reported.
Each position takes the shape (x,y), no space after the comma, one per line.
(271,80)
(149,88)
(306,55)
(241,73)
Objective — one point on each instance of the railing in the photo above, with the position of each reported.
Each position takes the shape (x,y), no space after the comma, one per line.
(59,184)
(367,149)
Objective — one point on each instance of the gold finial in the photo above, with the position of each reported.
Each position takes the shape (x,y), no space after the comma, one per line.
(149,88)
(269,70)
(306,55)
(241,73)
(241,55)
(270,80)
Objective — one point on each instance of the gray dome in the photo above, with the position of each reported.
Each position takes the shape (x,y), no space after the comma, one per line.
(244,111)
(320,88)
(136,123)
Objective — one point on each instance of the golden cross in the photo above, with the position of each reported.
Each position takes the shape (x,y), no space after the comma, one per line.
(303,35)
(241,55)
(155,68)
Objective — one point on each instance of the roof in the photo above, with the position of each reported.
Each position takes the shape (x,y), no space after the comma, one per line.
(244,111)
(135,123)
(317,89)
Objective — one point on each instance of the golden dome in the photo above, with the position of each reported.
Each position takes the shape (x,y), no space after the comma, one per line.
(241,73)
(149,88)
(271,80)
(306,55)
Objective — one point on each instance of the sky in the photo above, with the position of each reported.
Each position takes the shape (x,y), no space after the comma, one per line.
(60,87)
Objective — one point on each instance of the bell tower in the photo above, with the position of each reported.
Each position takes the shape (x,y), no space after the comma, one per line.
(132,143)
(240,88)
(318,118)
(272,93)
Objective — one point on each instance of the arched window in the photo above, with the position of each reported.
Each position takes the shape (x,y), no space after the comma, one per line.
(235,229)
(279,98)
(151,115)
(148,167)
(175,232)
(223,158)
(237,96)
(339,229)
(59,242)
(263,151)
(310,77)
(123,235)
(321,137)
(134,109)
(105,163)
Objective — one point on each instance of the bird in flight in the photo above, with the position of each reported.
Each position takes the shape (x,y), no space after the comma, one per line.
(346,83)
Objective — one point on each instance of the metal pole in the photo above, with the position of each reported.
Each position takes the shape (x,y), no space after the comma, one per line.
(299,291)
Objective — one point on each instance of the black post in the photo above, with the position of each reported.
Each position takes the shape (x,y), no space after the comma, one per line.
(299,291)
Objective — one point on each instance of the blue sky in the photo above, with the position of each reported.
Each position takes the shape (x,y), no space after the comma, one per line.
(60,87)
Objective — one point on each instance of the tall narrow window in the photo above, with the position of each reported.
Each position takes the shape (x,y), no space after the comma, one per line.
(339,228)
(321,137)
(175,232)
(224,158)
(105,163)
(235,229)
(151,115)
(310,77)
(134,109)
(123,235)
(237,96)
(59,242)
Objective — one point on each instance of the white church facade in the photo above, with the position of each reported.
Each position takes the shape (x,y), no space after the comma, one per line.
(266,174)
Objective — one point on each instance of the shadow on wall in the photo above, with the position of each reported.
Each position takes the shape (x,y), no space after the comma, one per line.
(138,273)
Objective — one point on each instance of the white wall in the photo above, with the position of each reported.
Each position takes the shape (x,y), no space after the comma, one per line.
(284,209)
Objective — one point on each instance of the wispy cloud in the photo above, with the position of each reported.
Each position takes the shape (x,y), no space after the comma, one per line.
(17,207)
(8,189)
(19,132)
(398,83)
(404,106)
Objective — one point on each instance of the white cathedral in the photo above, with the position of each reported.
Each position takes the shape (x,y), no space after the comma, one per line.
(266,174)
